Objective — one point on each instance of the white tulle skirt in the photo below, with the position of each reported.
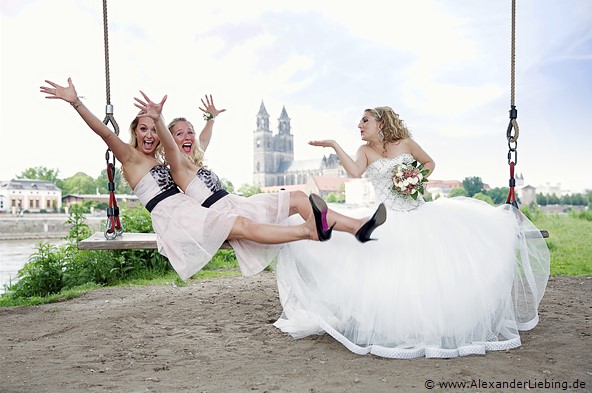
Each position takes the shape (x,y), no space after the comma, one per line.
(453,277)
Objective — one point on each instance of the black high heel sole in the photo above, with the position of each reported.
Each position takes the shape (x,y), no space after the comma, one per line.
(319,209)
(379,217)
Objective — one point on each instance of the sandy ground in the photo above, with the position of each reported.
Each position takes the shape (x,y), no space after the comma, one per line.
(217,336)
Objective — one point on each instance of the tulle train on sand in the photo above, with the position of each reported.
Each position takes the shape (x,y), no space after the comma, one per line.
(450,278)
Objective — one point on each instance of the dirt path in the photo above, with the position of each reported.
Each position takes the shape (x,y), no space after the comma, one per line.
(217,336)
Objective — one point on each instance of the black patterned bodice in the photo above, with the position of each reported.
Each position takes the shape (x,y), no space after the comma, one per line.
(154,183)
(210,179)
(162,176)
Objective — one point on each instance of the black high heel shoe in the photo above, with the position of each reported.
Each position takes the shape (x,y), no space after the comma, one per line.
(319,209)
(379,217)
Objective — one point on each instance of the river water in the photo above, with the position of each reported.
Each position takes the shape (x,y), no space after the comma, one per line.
(14,254)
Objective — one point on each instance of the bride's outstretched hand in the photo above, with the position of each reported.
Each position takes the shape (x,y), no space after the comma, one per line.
(210,107)
(149,108)
(60,92)
(323,143)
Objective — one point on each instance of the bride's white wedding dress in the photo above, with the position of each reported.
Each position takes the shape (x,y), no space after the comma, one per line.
(447,278)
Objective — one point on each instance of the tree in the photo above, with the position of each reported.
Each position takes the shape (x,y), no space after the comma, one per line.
(121,185)
(335,198)
(499,195)
(39,173)
(579,200)
(80,183)
(541,199)
(472,185)
(566,199)
(457,191)
(227,185)
(482,197)
(249,189)
(553,199)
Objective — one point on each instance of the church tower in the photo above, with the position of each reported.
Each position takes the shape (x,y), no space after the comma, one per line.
(283,149)
(263,160)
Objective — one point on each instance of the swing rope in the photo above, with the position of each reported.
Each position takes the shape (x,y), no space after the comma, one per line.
(113,224)
(513,130)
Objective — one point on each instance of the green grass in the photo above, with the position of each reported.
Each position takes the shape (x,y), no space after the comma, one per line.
(10,301)
(570,243)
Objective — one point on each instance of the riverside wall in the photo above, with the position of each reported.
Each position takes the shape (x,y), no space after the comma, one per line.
(41,226)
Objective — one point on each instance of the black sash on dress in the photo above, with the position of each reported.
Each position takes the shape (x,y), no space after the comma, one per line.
(163,195)
(215,197)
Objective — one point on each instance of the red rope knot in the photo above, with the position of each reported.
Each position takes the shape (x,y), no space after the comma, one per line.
(512,193)
(113,223)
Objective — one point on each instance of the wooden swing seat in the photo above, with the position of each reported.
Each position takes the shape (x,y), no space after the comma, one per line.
(136,241)
(125,241)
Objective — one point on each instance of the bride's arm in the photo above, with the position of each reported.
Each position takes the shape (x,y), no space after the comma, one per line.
(421,156)
(355,168)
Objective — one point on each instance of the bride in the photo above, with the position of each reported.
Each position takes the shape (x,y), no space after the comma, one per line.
(448,278)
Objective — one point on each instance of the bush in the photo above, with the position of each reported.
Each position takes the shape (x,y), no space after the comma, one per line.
(582,215)
(532,212)
(42,274)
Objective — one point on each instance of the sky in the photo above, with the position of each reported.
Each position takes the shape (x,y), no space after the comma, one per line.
(442,65)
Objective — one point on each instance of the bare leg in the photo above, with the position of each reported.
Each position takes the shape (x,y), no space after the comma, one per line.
(300,204)
(244,228)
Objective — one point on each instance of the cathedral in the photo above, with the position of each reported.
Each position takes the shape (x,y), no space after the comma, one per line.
(273,156)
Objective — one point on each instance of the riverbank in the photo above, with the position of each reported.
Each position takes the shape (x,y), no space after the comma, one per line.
(217,336)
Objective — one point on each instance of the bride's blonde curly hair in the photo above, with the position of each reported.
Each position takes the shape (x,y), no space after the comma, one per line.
(197,155)
(391,125)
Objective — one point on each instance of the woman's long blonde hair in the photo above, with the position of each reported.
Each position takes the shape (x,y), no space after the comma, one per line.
(197,155)
(134,141)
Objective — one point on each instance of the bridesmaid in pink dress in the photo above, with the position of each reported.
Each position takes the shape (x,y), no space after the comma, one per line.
(186,160)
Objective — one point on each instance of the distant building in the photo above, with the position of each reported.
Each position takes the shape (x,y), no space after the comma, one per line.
(442,188)
(74,199)
(325,185)
(527,195)
(549,189)
(273,156)
(320,185)
(20,195)
(360,191)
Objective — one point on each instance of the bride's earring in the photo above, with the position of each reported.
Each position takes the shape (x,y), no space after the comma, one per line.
(380,136)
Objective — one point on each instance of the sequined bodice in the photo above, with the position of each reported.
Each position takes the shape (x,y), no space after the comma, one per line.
(380,174)
(210,179)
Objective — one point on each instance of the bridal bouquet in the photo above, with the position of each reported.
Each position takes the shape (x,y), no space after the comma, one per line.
(409,179)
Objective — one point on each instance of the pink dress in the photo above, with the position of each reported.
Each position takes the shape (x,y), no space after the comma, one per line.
(186,233)
(262,208)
